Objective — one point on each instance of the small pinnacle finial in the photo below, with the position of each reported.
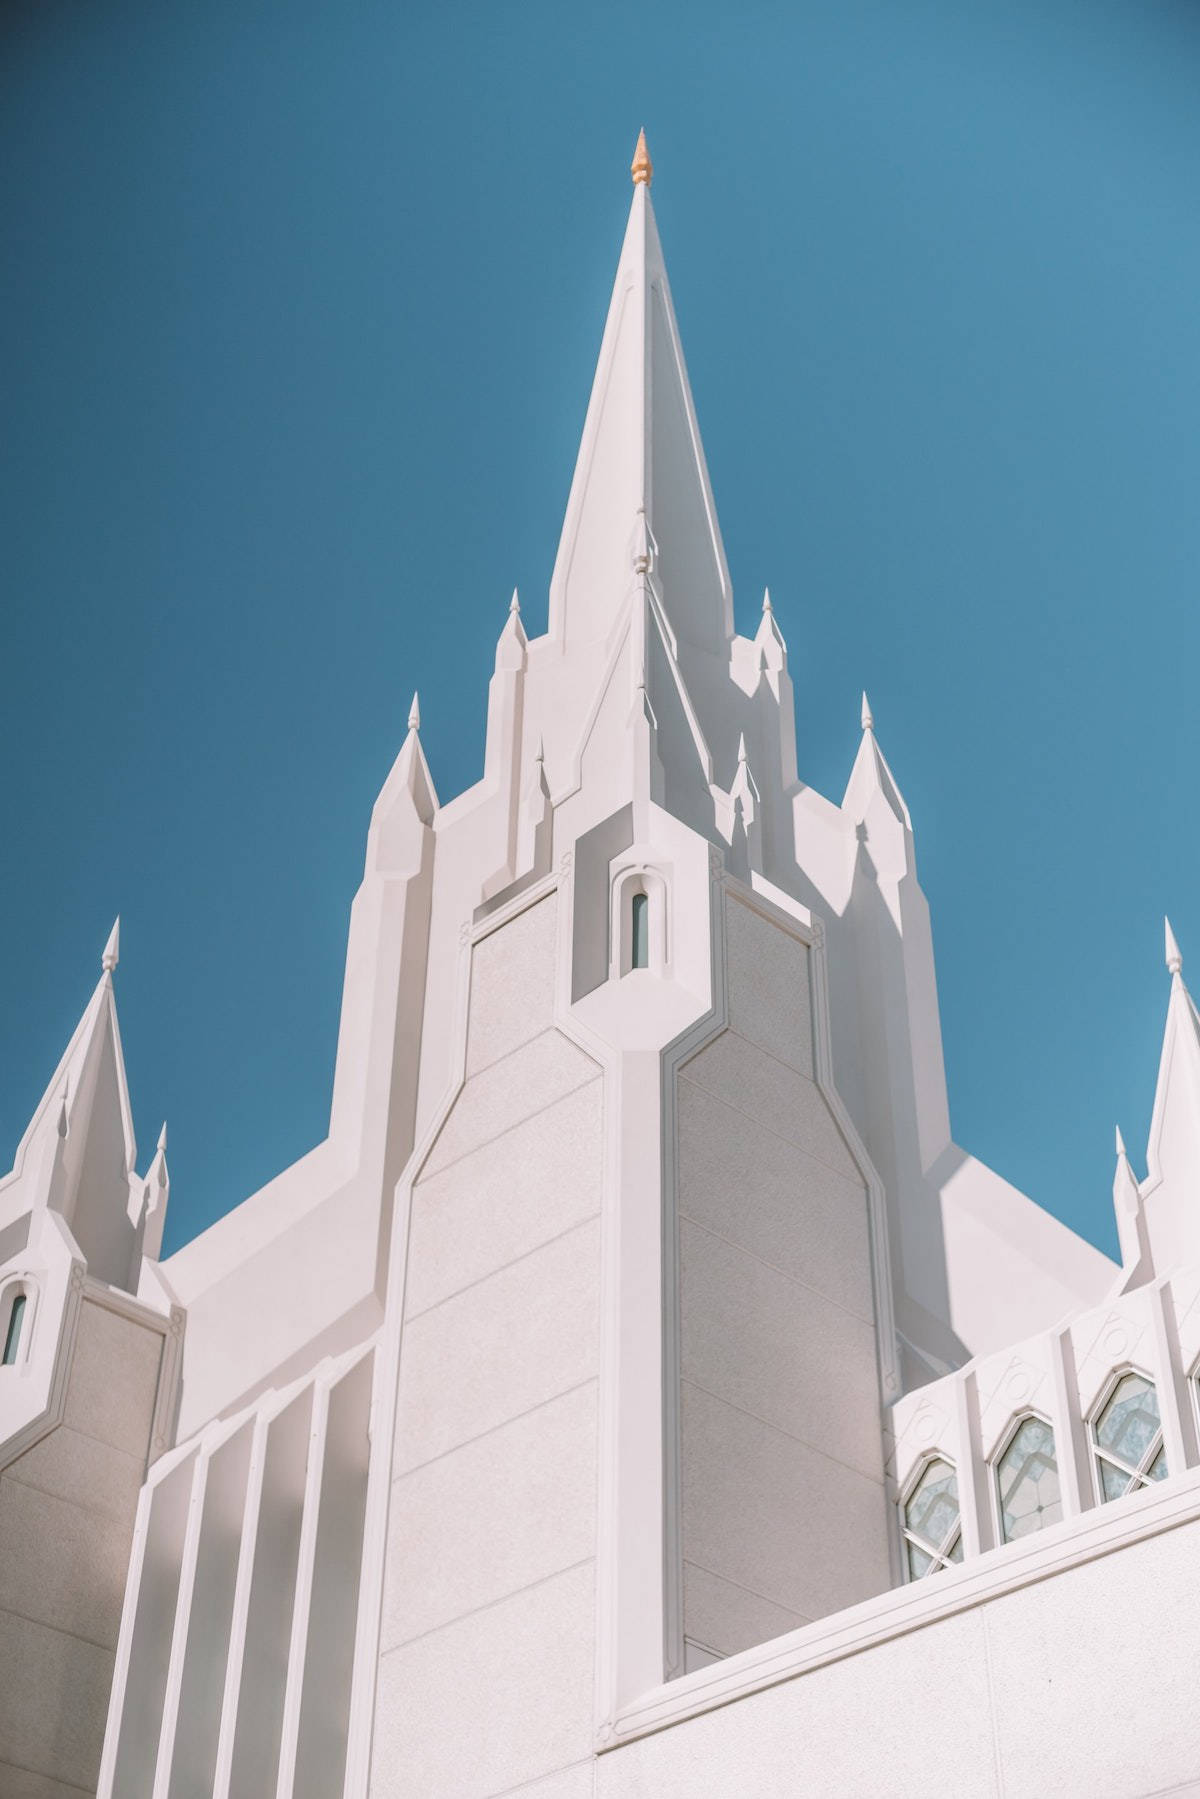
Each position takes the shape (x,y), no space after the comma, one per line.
(112,949)
(867,719)
(641,168)
(1120,1145)
(514,605)
(741,749)
(1174,958)
(414,713)
(767,606)
(162,1138)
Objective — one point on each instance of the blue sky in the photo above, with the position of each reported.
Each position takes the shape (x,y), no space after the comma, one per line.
(298,315)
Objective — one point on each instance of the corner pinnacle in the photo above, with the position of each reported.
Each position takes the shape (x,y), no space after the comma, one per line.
(641,168)
(414,713)
(867,719)
(1120,1145)
(112,949)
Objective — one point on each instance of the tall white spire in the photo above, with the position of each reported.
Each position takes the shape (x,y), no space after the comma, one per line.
(641,450)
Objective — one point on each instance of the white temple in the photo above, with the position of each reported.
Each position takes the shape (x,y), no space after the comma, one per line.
(638,1394)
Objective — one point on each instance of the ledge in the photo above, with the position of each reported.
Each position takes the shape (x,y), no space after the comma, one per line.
(911,1607)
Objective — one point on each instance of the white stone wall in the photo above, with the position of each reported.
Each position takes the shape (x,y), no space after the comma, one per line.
(485,1677)
(67,1507)
(784,1517)
(1080,1685)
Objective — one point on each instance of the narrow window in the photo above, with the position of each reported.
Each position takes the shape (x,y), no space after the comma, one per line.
(640,921)
(1027,1479)
(12,1337)
(1128,1438)
(932,1528)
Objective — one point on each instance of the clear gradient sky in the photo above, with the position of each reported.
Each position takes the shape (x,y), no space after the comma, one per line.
(299,307)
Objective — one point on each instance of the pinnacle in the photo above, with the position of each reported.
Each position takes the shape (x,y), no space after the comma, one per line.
(162,1138)
(1174,957)
(1120,1145)
(767,606)
(742,748)
(414,713)
(641,168)
(867,718)
(112,949)
(514,605)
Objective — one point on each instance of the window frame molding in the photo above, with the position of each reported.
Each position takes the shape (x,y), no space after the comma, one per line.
(940,1557)
(12,1286)
(1003,1445)
(1096,1411)
(632,878)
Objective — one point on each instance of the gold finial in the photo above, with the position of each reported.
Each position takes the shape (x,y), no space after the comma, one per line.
(641,168)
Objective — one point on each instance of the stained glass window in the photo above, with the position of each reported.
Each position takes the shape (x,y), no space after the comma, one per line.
(12,1336)
(1027,1480)
(1128,1438)
(932,1532)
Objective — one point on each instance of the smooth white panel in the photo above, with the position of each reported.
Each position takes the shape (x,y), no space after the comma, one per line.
(771,1094)
(805,1220)
(40,1727)
(767,972)
(1094,1673)
(272,1595)
(492,1517)
(499,1349)
(528,1081)
(61,1564)
(753,1337)
(337,1570)
(154,1627)
(728,1618)
(511,1194)
(500,1697)
(906,1720)
(512,985)
(114,1377)
(211,1617)
(771,1514)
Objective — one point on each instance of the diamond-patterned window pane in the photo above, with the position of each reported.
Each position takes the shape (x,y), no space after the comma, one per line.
(1128,1435)
(931,1520)
(1129,1422)
(1115,1481)
(1027,1475)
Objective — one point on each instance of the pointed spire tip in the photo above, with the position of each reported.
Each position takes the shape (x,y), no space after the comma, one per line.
(514,605)
(414,713)
(1173,955)
(162,1138)
(767,606)
(1120,1145)
(112,949)
(868,720)
(641,168)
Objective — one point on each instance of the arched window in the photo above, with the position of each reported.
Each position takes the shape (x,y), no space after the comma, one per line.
(639,940)
(1027,1480)
(17,1305)
(1127,1438)
(930,1520)
(639,921)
